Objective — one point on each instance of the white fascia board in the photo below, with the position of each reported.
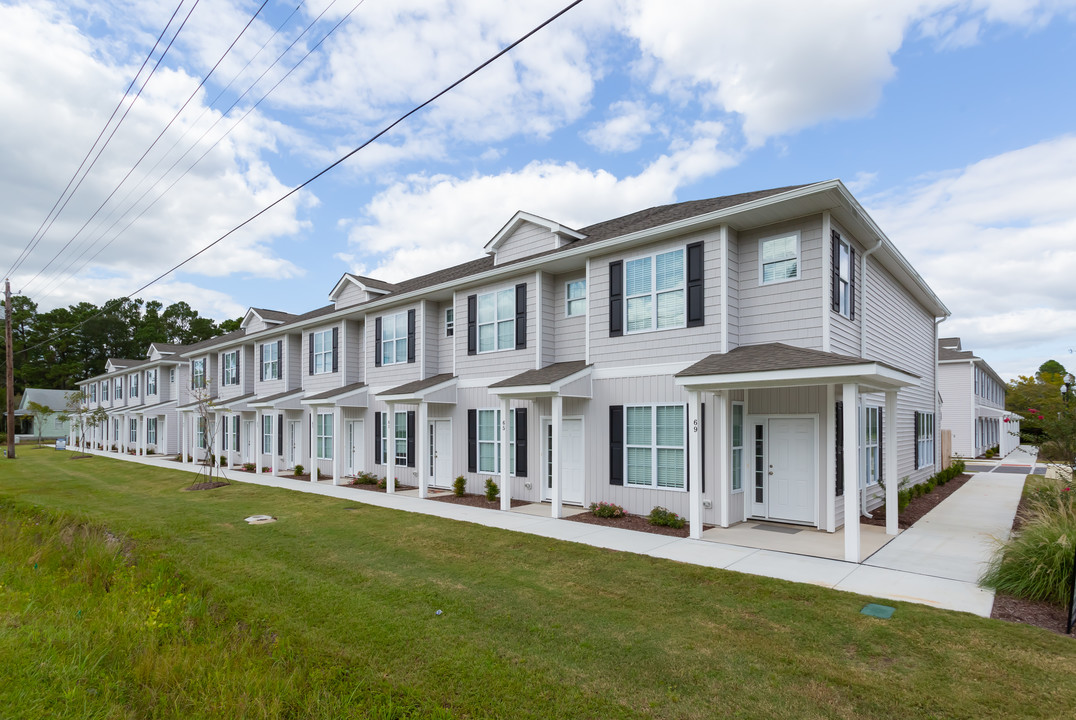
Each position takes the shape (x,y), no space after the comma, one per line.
(871,374)
(525,217)
(421,395)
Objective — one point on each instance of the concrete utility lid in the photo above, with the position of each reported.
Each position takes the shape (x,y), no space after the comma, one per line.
(260,519)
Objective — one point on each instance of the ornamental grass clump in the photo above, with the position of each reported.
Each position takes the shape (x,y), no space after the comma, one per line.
(1036,563)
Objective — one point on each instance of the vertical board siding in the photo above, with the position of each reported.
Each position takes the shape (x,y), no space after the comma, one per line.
(503,363)
(528,239)
(570,331)
(787,312)
(656,346)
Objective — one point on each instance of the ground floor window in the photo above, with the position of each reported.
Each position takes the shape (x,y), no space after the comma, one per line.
(924,439)
(134,431)
(872,445)
(201,433)
(151,431)
(325,436)
(267,433)
(737,447)
(489,441)
(655,446)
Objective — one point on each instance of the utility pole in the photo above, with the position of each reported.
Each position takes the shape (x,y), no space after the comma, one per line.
(10,372)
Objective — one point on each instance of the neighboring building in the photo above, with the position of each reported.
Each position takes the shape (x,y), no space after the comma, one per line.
(973,403)
(768,355)
(53,427)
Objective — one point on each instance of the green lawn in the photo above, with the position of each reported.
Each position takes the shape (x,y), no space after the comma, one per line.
(122,596)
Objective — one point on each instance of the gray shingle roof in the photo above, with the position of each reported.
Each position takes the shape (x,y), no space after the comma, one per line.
(279,396)
(767,357)
(545,376)
(373,282)
(337,391)
(52,399)
(274,315)
(419,385)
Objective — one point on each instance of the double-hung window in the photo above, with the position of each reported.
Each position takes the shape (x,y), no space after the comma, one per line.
(104,391)
(450,322)
(396,433)
(267,434)
(325,436)
(172,375)
(489,441)
(575,298)
(655,443)
(872,444)
(655,291)
(134,430)
(231,368)
(151,431)
(151,382)
(323,352)
(93,393)
(134,386)
(201,434)
(844,278)
(924,439)
(394,339)
(198,374)
(270,361)
(737,447)
(119,389)
(497,321)
(778,258)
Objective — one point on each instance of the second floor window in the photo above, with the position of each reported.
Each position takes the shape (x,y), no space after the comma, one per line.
(151,382)
(271,361)
(134,386)
(844,278)
(104,390)
(323,352)
(119,389)
(575,298)
(394,339)
(93,393)
(450,322)
(230,375)
(778,258)
(198,374)
(497,321)
(655,292)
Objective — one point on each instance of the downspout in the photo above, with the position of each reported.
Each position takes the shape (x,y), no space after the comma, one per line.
(863,337)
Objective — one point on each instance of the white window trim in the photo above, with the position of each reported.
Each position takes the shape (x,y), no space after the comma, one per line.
(865,445)
(267,432)
(568,300)
(233,378)
(201,431)
(151,431)
(134,387)
(925,440)
(325,355)
(654,292)
(151,382)
(270,368)
(496,321)
(198,380)
(799,263)
(450,322)
(742,446)
(385,322)
(845,281)
(171,375)
(323,436)
(497,442)
(654,447)
(118,390)
(133,427)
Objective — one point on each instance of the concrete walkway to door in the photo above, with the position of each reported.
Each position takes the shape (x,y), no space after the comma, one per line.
(936,562)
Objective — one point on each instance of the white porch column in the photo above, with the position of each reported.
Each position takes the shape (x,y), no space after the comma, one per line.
(829,451)
(258,441)
(558,420)
(312,436)
(125,432)
(273,460)
(390,461)
(889,445)
(506,485)
(694,465)
(337,444)
(851,474)
(183,423)
(162,435)
(218,441)
(724,455)
(424,459)
(141,420)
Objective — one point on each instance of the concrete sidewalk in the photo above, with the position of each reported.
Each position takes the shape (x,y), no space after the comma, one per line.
(936,562)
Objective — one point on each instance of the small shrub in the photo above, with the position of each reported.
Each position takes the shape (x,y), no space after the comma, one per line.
(492,491)
(151,451)
(383,484)
(266,469)
(366,478)
(663,516)
(459,486)
(298,469)
(250,467)
(190,458)
(606,510)
(904,497)
(319,473)
(222,460)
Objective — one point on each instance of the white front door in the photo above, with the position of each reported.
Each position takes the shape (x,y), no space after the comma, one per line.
(293,442)
(356,460)
(791,467)
(440,470)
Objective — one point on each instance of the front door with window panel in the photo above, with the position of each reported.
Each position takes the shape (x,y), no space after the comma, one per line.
(356,459)
(440,453)
(572,461)
(784,469)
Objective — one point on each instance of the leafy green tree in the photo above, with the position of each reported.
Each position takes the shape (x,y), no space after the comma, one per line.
(1048,418)
(41,414)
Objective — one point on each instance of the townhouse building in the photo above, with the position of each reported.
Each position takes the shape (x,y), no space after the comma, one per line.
(973,403)
(763,356)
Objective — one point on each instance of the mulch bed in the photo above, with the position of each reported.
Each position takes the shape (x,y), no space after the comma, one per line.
(374,488)
(919,506)
(630,522)
(475,500)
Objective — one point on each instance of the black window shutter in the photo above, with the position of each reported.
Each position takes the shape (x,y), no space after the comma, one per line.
(336,343)
(521,316)
(472,325)
(410,336)
(238,367)
(377,438)
(280,435)
(377,342)
(695,313)
(915,440)
(472,440)
(835,290)
(851,283)
(261,364)
(410,438)
(616,298)
(616,444)
(311,349)
(279,360)
(840,449)
(521,442)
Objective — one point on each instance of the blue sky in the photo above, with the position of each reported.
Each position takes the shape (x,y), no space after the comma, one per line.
(951,121)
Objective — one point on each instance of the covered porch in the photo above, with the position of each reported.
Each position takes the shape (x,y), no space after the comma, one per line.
(792,466)
(429,443)
(333,403)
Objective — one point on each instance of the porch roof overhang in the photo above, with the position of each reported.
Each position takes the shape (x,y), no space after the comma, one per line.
(236,404)
(192,405)
(153,409)
(287,400)
(355,395)
(567,379)
(437,389)
(780,365)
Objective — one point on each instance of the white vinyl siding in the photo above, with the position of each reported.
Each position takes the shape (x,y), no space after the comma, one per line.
(394,339)
(779,258)
(655,292)
(497,321)
(655,439)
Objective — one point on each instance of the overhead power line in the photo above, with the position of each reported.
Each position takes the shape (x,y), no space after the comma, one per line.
(496,56)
